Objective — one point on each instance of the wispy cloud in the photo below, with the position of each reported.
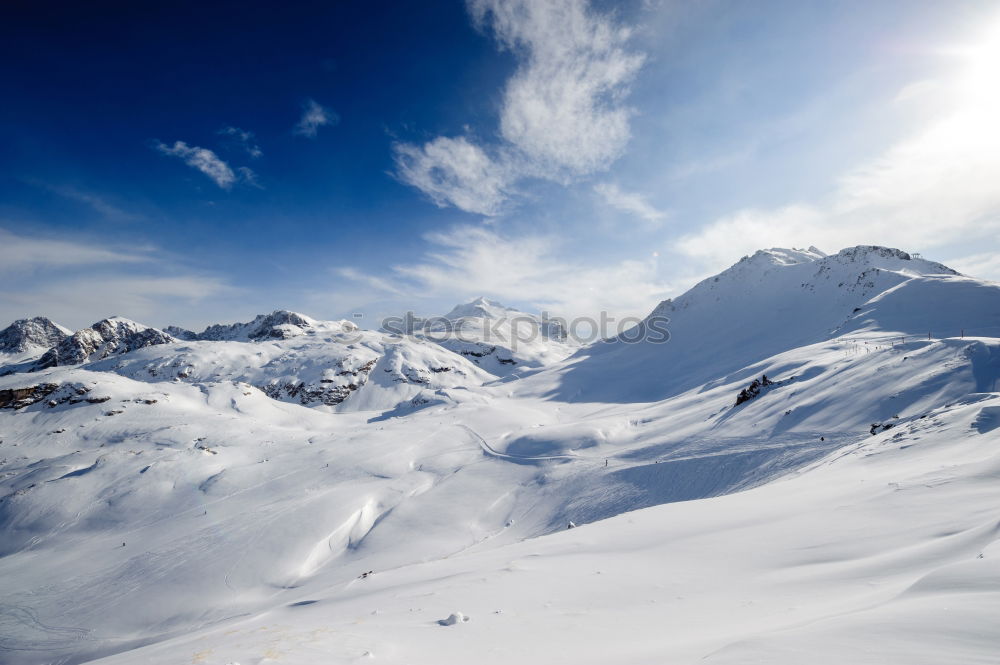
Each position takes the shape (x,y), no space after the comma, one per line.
(469,261)
(985,265)
(153,300)
(378,284)
(454,172)
(933,188)
(248,177)
(79,281)
(202,159)
(244,139)
(563,113)
(98,204)
(563,108)
(630,202)
(24,253)
(313,117)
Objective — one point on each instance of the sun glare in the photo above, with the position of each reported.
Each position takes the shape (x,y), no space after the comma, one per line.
(980,82)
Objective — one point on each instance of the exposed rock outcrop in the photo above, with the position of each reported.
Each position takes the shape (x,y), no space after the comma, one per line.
(753,390)
(279,324)
(105,338)
(329,392)
(18,398)
(35,333)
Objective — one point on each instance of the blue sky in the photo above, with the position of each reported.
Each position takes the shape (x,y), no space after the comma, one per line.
(204,163)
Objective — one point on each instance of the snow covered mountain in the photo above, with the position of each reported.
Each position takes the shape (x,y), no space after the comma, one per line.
(31,334)
(280,324)
(301,491)
(108,337)
(481,308)
(287,356)
(320,364)
(501,340)
(776,300)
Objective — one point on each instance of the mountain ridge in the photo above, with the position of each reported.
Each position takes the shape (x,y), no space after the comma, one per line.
(770,301)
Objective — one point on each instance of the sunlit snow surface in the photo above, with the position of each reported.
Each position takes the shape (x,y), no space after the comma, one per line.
(194,519)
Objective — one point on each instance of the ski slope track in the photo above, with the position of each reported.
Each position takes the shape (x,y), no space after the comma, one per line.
(290,490)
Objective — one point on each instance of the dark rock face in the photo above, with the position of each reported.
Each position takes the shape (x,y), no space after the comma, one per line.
(753,390)
(181,333)
(25,334)
(18,398)
(880,427)
(866,253)
(474,351)
(52,393)
(327,392)
(103,339)
(307,395)
(271,326)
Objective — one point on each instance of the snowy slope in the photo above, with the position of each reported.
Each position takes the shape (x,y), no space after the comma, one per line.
(862,559)
(777,300)
(220,521)
(832,517)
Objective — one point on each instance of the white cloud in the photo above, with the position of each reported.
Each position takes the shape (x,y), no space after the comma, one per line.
(454,172)
(77,282)
(745,231)
(246,140)
(21,254)
(630,202)
(984,265)
(934,188)
(563,107)
(713,163)
(153,300)
(248,177)
(470,261)
(377,284)
(918,91)
(313,117)
(98,204)
(562,115)
(202,159)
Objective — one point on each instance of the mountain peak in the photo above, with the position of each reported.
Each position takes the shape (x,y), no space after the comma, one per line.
(778,299)
(481,308)
(890,258)
(279,324)
(848,263)
(784,256)
(38,332)
(111,336)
